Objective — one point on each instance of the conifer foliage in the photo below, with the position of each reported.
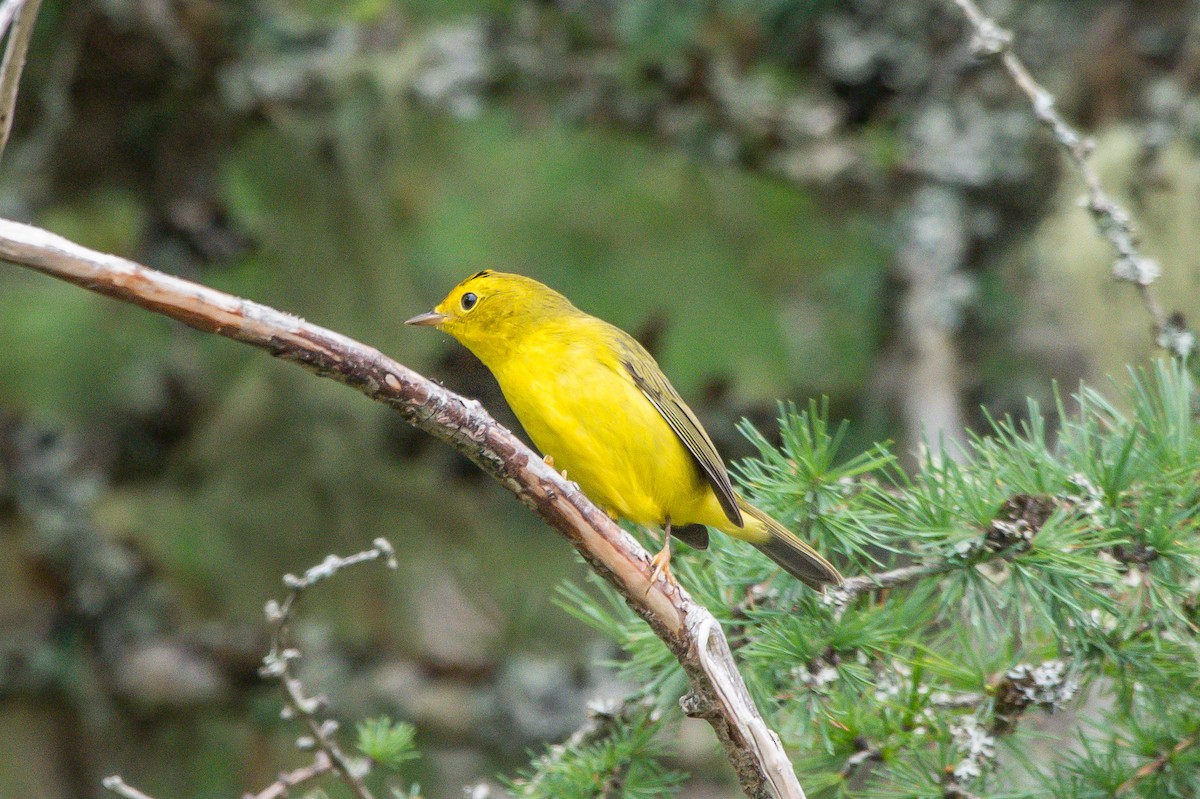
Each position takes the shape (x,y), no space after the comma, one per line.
(1051,570)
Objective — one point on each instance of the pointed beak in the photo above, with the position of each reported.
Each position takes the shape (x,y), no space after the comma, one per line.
(431,319)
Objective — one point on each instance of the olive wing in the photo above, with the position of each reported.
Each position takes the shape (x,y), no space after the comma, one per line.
(662,395)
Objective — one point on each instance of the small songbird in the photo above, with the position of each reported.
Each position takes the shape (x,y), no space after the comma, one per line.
(598,405)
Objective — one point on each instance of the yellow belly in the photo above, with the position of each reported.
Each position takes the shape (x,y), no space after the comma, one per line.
(597,425)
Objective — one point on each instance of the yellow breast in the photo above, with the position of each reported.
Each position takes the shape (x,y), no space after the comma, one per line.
(582,408)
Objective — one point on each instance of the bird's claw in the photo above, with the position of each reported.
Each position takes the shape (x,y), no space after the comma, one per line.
(549,461)
(661,567)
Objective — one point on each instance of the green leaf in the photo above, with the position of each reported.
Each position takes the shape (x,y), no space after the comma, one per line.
(389,743)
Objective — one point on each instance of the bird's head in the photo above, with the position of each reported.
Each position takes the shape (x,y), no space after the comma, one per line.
(490,311)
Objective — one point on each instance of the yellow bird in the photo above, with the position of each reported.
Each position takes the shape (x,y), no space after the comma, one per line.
(597,404)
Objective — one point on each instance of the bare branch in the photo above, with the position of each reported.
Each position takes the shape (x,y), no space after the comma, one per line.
(860,584)
(14,62)
(1112,220)
(278,662)
(122,788)
(290,779)
(718,693)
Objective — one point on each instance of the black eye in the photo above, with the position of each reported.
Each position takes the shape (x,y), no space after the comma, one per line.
(468,301)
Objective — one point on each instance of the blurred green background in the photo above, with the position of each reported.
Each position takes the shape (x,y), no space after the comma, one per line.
(745,185)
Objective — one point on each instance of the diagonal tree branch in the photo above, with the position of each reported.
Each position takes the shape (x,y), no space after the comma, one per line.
(693,635)
(1112,221)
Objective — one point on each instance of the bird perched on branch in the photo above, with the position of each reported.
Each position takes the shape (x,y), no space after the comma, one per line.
(596,402)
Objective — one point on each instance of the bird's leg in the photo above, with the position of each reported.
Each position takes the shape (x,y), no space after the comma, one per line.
(662,561)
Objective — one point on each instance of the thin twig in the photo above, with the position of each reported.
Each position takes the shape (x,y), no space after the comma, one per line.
(14,64)
(718,694)
(321,765)
(122,788)
(278,662)
(855,586)
(1154,766)
(1006,538)
(844,595)
(1113,222)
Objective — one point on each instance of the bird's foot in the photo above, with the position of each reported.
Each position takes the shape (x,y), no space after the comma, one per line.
(661,566)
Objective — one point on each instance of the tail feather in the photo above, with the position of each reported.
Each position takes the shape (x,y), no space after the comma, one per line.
(793,555)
